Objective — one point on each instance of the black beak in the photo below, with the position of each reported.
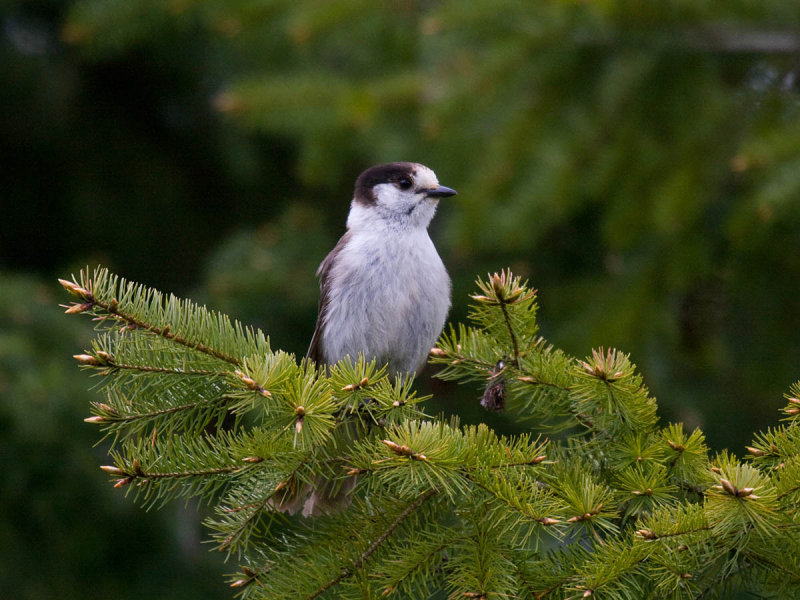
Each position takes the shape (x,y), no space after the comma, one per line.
(440,192)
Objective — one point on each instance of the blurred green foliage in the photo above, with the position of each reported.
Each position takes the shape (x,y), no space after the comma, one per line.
(639,162)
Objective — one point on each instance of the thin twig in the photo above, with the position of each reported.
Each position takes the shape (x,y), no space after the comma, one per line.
(507,318)
(168,370)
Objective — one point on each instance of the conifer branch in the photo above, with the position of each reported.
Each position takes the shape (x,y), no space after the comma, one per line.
(348,571)
(546,521)
(622,482)
(117,418)
(112,308)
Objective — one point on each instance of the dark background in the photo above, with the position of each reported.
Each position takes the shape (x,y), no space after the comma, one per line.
(638,162)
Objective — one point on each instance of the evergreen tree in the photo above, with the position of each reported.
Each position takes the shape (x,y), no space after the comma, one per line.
(611,504)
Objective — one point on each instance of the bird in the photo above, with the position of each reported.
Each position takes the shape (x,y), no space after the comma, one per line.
(384,292)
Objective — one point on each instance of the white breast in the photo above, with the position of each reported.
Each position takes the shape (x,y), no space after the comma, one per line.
(389,297)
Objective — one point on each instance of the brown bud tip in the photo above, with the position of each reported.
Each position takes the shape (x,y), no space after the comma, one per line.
(792,410)
(683,548)
(547,521)
(349,388)
(482,298)
(239,583)
(588,594)
(364,381)
(755,451)
(252,459)
(438,352)
(497,284)
(728,487)
(676,447)
(112,470)
(686,575)
(280,486)
(96,419)
(355,471)
(794,401)
(87,359)
(123,482)
(526,379)
(745,491)
(646,534)
(574,519)
(716,470)
(78,308)
(396,403)
(298,426)
(300,411)
(104,356)
(538,459)
(137,466)
(76,290)
(387,591)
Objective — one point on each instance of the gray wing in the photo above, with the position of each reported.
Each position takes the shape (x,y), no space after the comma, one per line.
(316,350)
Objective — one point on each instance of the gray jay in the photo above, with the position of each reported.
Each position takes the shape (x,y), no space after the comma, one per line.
(384,291)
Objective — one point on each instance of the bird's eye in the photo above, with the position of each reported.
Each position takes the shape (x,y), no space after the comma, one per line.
(404,183)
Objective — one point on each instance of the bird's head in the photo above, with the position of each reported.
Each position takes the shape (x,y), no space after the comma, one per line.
(400,194)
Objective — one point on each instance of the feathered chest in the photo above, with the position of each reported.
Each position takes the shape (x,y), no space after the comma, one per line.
(387,296)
